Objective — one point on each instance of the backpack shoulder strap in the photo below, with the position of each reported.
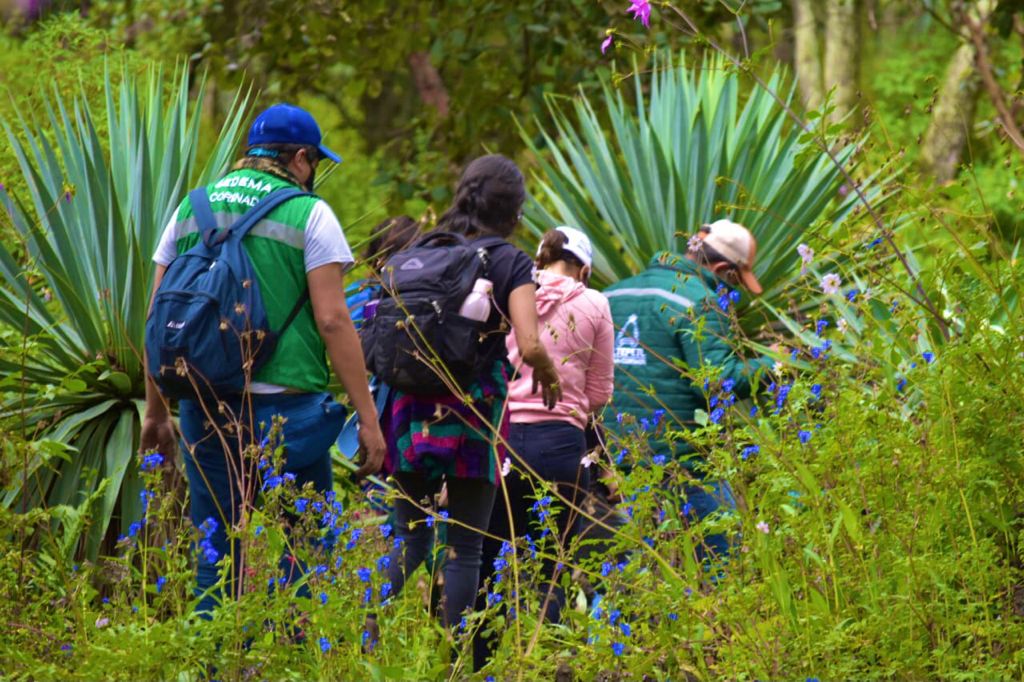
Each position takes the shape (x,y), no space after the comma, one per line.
(208,224)
(265,205)
(199,200)
(482,245)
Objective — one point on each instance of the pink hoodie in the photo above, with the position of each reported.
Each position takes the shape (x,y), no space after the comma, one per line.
(576,328)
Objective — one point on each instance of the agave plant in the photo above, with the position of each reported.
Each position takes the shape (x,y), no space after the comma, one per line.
(644,177)
(75,286)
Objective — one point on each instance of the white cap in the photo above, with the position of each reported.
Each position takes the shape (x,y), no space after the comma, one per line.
(735,243)
(576,243)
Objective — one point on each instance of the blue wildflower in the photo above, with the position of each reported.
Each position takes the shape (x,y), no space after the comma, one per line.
(735,295)
(658,460)
(673,616)
(290,477)
(816,390)
(323,598)
(385,530)
(134,529)
(753,411)
(626,630)
(613,616)
(928,356)
(618,648)
(804,436)
(208,527)
(144,497)
(644,424)
(301,505)
(780,399)
(210,554)
(716,415)
(493,598)
(150,462)
(820,327)
(259,530)
(272,482)
(750,451)
(875,242)
(430,521)
(606,569)
(383,563)
(325,644)
(160,582)
(658,415)
(728,385)
(368,595)
(385,590)
(364,574)
(443,514)
(901,384)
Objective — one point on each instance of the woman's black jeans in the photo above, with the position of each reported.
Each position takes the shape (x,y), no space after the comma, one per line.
(554,450)
(469,506)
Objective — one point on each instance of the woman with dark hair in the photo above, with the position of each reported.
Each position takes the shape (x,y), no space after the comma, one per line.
(459,440)
(389,236)
(576,329)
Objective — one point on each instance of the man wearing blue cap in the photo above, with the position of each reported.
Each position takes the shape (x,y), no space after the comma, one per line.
(298,248)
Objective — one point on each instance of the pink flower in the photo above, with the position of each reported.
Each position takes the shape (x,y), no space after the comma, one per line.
(763,527)
(607,42)
(641,10)
(830,283)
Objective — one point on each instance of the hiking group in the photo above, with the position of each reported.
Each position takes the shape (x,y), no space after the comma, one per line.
(491,369)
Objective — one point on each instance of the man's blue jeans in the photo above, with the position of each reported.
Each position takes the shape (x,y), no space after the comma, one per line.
(706,498)
(221,484)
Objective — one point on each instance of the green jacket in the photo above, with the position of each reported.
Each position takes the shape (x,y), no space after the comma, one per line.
(668,322)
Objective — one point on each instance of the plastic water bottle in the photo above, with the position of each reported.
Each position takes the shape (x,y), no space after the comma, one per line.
(477,305)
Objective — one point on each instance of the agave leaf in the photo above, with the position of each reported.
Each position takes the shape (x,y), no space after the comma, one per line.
(89,221)
(642,177)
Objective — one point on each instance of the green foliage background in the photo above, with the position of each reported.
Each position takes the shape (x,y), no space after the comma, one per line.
(891,540)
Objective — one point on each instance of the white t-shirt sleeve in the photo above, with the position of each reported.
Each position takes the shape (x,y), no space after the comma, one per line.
(167,248)
(324,241)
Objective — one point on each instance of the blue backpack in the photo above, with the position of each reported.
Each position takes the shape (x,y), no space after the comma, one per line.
(207,333)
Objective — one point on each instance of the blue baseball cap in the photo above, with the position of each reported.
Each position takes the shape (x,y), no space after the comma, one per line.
(288,124)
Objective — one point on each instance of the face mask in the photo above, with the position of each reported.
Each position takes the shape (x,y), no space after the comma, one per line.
(312,177)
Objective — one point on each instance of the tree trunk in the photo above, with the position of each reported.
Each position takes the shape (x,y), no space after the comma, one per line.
(942,146)
(428,83)
(842,55)
(807,52)
(952,115)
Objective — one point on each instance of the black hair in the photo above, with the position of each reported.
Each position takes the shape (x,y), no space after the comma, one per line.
(488,199)
(552,250)
(390,236)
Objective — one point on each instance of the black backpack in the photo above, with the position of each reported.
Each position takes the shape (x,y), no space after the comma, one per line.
(416,340)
